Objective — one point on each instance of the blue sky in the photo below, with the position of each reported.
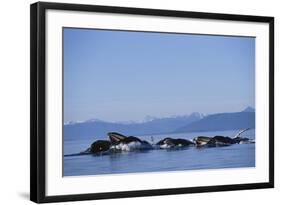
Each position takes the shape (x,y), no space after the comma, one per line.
(123,76)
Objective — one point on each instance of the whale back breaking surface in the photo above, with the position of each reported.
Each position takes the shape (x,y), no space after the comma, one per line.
(100,146)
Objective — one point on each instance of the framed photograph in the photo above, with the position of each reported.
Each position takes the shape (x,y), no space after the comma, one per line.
(129,102)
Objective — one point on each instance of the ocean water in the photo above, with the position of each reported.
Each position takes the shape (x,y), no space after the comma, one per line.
(191,158)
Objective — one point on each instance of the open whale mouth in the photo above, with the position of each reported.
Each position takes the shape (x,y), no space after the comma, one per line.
(116,137)
(201,140)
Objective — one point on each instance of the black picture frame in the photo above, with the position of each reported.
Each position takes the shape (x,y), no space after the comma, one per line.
(38,101)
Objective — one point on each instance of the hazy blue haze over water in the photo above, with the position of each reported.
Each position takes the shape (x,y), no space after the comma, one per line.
(192,158)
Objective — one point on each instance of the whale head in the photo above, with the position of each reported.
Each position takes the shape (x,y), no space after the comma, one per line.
(116,137)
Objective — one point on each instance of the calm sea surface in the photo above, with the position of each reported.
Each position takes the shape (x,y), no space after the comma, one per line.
(192,158)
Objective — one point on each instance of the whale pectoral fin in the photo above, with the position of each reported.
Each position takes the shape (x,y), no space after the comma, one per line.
(240,132)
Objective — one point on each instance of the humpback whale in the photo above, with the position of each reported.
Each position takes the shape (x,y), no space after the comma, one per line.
(116,143)
(201,140)
(122,143)
(221,140)
(173,143)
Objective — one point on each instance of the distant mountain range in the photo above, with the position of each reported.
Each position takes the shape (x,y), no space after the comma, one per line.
(249,109)
(152,126)
(222,121)
(194,122)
